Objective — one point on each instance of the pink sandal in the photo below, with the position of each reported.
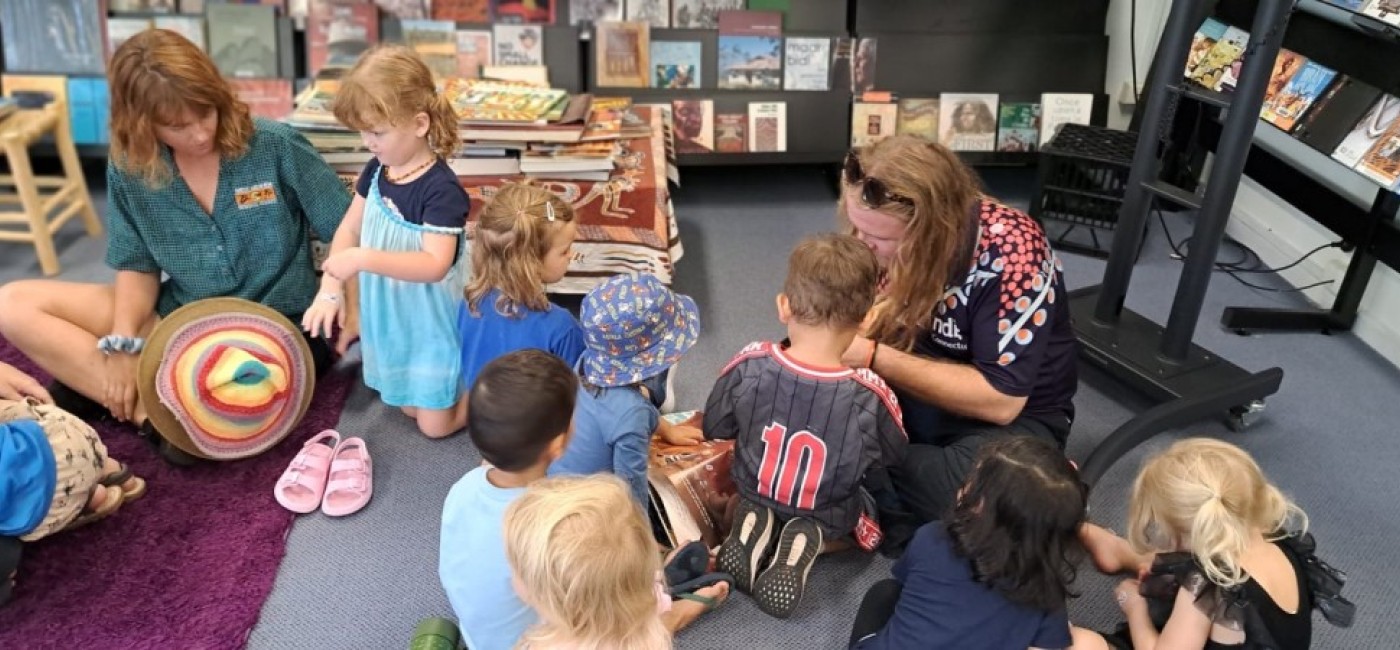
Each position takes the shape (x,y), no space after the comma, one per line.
(351,481)
(304,482)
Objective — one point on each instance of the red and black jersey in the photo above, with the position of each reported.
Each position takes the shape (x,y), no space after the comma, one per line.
(805,437)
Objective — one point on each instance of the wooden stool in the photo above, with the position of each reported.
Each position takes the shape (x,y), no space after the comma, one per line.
(66,194)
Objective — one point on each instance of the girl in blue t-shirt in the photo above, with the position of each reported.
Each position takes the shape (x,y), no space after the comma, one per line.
(402,239)
(995,572)
(523,241)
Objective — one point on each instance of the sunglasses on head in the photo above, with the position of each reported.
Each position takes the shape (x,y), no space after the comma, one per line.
(873,192)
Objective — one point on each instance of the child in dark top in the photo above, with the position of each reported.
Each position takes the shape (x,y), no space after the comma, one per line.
(996,571)
(1248,589)
(811,434)
(403,239)
(636,330)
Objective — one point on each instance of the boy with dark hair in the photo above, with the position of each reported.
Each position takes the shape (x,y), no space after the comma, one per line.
(519,416)
(810,432)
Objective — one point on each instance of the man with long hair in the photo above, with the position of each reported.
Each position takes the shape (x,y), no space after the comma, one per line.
(971,327)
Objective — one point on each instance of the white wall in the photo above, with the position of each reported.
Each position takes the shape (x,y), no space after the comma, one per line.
(1151,16)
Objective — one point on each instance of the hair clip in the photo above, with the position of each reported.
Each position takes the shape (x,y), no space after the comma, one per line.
(549,210)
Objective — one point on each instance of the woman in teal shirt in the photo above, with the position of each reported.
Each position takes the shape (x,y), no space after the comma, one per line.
(202,201)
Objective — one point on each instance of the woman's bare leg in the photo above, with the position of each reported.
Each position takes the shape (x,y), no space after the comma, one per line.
(56,324)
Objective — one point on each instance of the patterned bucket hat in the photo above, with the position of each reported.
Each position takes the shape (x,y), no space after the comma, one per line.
(225,378)
(635,328)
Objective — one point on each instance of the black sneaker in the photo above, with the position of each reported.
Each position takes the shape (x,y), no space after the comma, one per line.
(78,404)
(778,590)
(747,543)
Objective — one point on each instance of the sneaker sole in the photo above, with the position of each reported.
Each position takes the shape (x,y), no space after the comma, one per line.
(741,554)
(778,590)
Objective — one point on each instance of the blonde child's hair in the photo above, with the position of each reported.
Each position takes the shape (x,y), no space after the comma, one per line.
(1207,496)
(586,562)
(516,229)
(390,84)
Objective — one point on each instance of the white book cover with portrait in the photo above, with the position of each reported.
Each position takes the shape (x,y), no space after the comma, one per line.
(967,121)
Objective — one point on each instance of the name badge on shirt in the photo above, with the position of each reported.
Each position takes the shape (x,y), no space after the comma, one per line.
(255,196)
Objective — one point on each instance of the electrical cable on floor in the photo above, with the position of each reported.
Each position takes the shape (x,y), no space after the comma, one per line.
(1232,268)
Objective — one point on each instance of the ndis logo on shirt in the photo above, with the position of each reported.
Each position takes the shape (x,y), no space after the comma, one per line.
(947,334)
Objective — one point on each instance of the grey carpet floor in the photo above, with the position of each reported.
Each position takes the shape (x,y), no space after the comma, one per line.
(1327,439)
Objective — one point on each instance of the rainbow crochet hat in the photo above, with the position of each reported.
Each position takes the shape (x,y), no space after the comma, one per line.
(225,378)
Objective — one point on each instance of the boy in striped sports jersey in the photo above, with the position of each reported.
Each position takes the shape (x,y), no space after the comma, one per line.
(810,432)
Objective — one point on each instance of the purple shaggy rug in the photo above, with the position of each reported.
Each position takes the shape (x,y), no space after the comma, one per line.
(189,565)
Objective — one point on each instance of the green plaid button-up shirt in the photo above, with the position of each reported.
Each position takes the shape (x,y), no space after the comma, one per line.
(256,245)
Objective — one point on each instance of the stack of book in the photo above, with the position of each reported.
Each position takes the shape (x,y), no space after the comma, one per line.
(507,128)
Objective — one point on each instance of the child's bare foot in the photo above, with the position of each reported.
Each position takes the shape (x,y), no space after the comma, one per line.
(684,612)
(99,498)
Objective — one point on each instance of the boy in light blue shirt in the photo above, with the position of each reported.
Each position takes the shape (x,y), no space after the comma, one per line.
(519,416)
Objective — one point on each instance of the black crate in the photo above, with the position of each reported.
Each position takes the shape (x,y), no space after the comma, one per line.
(1083,173)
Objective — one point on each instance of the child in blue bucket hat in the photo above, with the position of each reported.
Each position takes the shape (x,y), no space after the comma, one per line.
(635,329)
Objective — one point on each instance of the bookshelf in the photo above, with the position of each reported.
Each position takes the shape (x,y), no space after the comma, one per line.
(1312,181)
(1014,48)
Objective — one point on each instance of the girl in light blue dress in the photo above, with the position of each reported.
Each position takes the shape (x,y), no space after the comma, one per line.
(403,239)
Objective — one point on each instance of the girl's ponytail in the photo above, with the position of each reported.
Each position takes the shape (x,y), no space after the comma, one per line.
(1219,538)
(442,127)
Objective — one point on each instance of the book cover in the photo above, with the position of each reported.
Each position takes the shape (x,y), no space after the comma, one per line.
(1350,5)
(406,9)
(750,62)
(243,39)
(737,22)
(191,27)
(435,41)
(807,64)
(53,36)
(1285,108)
(767,126)
(1285,66)
(486,101)
(518,45)
(967,122)
(594,11)
(535,75)
(337,34)
(692,487)
(1062,108)
(1332,117)
(622,49)
(656,13)
(1217,61)
(872,122)
(1206,37)
(841,50)
(462,11)
(269,98)
(730,132)
(863,66)
(700,14)
(1018,127)
(473,52)
(141,6)
(675,64)
(1367,131)
(120,29)
(1382,161)
(531,12)
(693,121)
(918,116)
(1384,10)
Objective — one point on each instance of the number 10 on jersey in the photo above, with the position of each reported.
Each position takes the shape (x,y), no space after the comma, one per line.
(790,460)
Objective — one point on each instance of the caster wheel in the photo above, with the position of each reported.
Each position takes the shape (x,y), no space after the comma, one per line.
(1244,416)
(175,456)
